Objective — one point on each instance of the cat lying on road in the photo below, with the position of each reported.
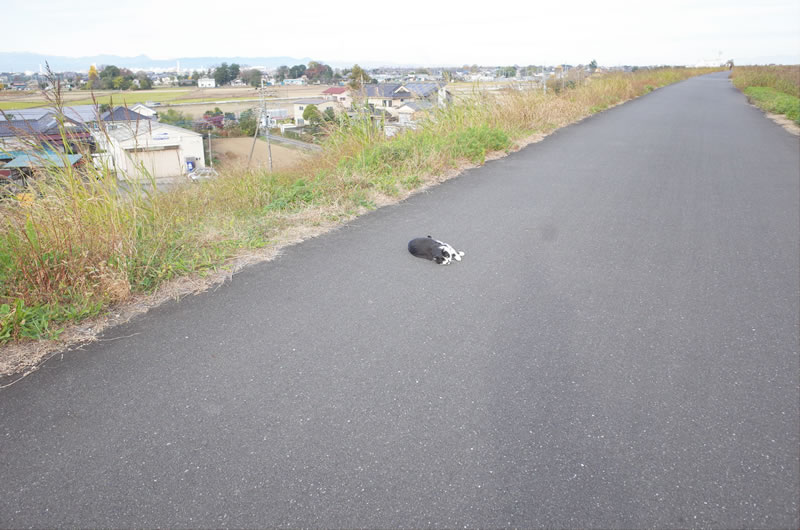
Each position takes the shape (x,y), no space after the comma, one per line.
(434,250)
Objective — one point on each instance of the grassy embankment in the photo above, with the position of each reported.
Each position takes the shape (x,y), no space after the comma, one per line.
(775,89)
(81,246)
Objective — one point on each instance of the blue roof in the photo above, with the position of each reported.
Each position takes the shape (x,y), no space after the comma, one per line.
(10,155)
(43,159)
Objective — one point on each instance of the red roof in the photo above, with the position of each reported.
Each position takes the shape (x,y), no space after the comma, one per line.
(336,90)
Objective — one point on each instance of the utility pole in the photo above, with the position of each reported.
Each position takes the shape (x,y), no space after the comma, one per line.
(266,118)
(210,154)
(544,79)
(263,122)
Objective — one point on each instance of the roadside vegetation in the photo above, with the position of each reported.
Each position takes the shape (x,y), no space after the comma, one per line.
(73,245)
(775,89)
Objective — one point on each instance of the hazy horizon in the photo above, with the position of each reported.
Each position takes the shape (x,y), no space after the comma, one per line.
(420,34)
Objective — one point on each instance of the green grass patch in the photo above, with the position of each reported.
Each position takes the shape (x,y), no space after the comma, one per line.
(41,321)
(16,105)
(771,100)
(117,98)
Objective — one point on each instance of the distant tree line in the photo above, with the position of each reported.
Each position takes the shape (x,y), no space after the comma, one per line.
(314,72)
(111,77)
(114,78)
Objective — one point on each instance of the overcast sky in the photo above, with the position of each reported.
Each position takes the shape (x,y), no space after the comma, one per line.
(416,32)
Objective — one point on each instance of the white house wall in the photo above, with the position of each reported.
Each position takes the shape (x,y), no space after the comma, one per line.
(181,144)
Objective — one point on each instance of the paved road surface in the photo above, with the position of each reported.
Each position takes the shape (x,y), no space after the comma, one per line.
(619,348)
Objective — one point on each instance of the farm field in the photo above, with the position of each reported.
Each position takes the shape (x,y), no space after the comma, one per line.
(277,99)
(165,96)
(17,100)
(233,153)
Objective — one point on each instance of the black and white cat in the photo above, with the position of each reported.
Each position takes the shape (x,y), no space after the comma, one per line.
(434,250)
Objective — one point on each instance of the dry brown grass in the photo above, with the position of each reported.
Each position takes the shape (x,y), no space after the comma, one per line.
(784,79)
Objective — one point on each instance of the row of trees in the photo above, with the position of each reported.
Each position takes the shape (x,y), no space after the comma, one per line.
(111,77)
(314,71)
(114,78)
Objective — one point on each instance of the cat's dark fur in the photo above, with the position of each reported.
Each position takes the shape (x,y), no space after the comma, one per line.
(434,250)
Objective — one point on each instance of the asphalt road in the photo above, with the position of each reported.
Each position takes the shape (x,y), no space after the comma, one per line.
(619,348)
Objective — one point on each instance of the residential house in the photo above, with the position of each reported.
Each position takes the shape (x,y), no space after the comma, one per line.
(165,80)
(139,151)
(86,115)
(321,104)
(340,94)
(144,110)
(122,115)
(386,96)
(42,131)
(392,96)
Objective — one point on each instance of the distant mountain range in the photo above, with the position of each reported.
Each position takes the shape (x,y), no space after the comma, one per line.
(23,61)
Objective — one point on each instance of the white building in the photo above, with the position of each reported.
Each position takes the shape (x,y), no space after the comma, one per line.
(144,110)
(321,104)
(206,82)
(139,151)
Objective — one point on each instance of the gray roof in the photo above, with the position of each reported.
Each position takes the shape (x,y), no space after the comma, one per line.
(122,114)
(418,105)
(384,90)
(46,124)
(79,113)
(423,89)
(310,101)
(390,90)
